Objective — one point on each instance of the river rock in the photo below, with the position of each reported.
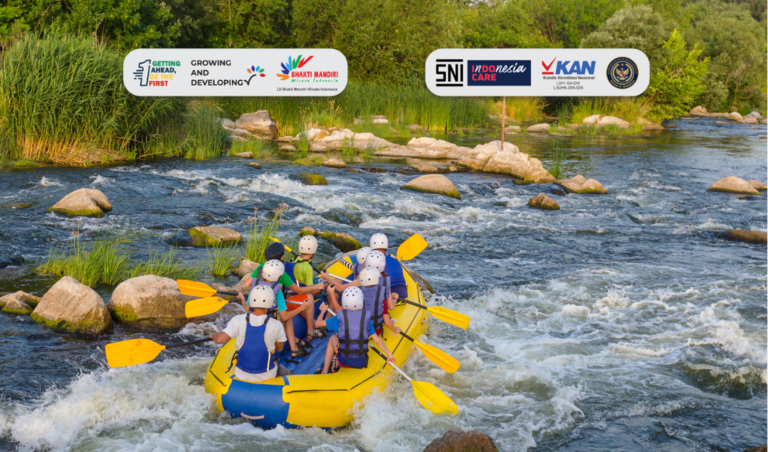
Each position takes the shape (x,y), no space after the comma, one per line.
(591,120)
(650,126)
(334,163)
(698,111)
(734,116)
(20,296)
(85,202)
(433,183)
(72,307)
(543,201)
(259,124)
(284,139)
(228,123)
(341,139)
(17,205)
(255,165)
(749,120)
(762,448)
(317,147)
(754,114)
(764,121)
(512,129)
(415,128)
(246,268)
(425,168)
(149,302)
(10,260)
(214,236)
(15,306)
(478,157)
(373,119)
(519,165)
(237,138)
(245,155)
(287,148)
(344,242)
(538,128)
(733,184)
(612,120)
(431,148)
(240,133)
(310,179)
(580,185)
(462,441)
(743,235)
(757,185)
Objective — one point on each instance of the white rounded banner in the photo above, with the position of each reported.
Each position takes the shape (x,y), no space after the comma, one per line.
(235,72)
(538,72)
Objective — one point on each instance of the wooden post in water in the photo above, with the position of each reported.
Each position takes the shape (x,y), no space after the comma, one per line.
(503,117)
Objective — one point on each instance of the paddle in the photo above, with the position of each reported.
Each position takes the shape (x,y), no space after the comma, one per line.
(204,306)
(139,351)
(411,247)
(443,360)
(440,313)
(430,397)
(198,289)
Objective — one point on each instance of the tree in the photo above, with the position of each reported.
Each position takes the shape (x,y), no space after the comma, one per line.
(254,23)
(500,24)
(566,22)
(315,22)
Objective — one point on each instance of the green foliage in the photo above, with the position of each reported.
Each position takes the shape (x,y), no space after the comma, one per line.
(165,265)
(565,23)
(253,23)
(317,22)
(222,259)
(102,262)
(627,108)
(557,155)
(675,86)
(259,148)
(62,99)
(257,237)
(205,136)
(500,24)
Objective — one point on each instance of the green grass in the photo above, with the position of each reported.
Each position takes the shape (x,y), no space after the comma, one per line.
(302,146)
(260,149)
(629,109)
(257,236)
(165,265)
(314,160)
(206,138)
(62,100)
(222,260)
(557,156)
(101,262)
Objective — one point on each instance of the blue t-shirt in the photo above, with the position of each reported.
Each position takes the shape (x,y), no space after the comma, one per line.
(280,301)
(333,325)
(395,272)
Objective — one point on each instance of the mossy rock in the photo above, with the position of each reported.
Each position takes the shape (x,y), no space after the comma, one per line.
(18,205)
(315,160)
(25,163)
(209,236)
(87,327)
(743,235)
(433,183)
(344,242)
(17,307)
(310,179)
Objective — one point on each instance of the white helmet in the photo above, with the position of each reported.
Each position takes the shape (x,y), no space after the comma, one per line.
(352,299)
(370,276)
(377,260)
(361,253)
(272,270)
(308,245)
(379,241)
(261,297)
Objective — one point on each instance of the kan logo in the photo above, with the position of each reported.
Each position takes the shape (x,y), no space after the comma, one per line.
(569,68)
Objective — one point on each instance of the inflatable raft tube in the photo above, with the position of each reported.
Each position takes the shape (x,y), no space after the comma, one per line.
(304,399)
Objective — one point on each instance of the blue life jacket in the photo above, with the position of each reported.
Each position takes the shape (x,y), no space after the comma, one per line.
(356,269)
(254,357)
(275,286)
(353,333)
(374,303)
(289,270)
(394,270)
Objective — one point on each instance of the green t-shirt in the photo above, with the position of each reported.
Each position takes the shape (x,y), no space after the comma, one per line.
(303,272)
(285,280)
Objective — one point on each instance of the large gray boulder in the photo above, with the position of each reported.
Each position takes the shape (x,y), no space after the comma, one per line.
(214,236)
(733,184)
(734,116)
(72,307)
(698,111)
(538,128)
(259,124)
(85,202)
(150,303)
(433,183)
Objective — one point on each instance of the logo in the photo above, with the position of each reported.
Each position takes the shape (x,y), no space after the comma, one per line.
(499,73)
(569,68)
(155,73)
(449,72)
(258,70)
(622,73)
(294,63)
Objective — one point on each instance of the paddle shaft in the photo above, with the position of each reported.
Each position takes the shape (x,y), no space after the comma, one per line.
(407,301)
(184,344)
(391,364)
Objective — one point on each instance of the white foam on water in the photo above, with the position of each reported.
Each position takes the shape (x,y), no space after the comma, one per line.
(98,179)
(47,182)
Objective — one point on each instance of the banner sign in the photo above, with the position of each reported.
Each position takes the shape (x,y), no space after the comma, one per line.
(235,72)
(538,72)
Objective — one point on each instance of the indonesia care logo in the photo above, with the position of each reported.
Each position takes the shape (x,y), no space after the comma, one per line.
(292,71)
(155,73)
(499,73)
(567,67)
(622,72)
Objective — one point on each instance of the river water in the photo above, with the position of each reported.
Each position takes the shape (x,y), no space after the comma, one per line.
(620,321)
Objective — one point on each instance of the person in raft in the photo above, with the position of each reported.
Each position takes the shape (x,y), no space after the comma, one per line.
(356,269)
(353,328)
(302,270)
(377,302)
(276,251)
(380,242)
(269,276)
(257,336)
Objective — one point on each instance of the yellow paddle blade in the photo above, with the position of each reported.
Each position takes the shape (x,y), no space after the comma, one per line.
(286,246)
(204,306)
(132,352)
(450,316)
(195,289)
(433,399)
(445,361)
(411,248)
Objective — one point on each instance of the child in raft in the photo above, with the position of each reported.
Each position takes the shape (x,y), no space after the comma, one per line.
(353,327)
(303,273)
(377,299)
(257,337)
(380,242)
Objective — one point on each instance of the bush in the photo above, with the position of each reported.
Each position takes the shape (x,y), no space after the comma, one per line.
(206,138)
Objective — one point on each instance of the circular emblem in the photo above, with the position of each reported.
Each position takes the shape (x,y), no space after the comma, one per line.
(622,72)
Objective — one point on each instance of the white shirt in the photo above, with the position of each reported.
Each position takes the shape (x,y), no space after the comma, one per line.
(275,332)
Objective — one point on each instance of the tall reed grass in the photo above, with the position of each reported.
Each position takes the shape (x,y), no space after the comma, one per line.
(222,259)
(62,100)
(257,237)
(166,265)
(206,138)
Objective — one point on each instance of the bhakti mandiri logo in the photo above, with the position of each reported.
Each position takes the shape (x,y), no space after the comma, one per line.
(291,71)
(622,72)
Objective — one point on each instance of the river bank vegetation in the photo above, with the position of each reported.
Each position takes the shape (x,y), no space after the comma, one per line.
(62,99)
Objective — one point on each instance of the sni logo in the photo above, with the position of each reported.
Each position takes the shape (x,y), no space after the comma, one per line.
(568,68)
(449,72)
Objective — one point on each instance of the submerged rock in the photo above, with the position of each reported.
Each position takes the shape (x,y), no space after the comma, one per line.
(543,201)
(149,302)
(334,163)
(73,308)
(743,235)
(538,128)
(425,168)
(214,236)
(18,205)
(310,179)
(85,202)
(733,184)
(582,186)
(255,165)
(246,268)
(245,155)
(10,260)
(17,307)
(462,441)
(258,124)
(433,183)
(757,185)
(344,242)
(20,296)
